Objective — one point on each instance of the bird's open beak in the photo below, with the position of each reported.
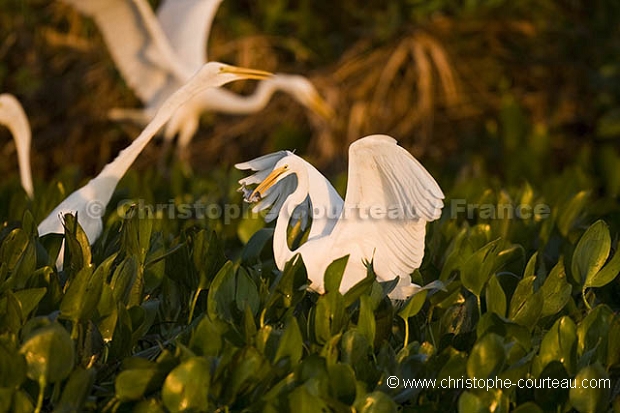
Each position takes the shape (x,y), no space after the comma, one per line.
(267,183)
(246,73)
(321,107)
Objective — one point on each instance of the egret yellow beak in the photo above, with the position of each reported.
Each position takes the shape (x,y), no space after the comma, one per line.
(267,183)
(320,107)
(246,73)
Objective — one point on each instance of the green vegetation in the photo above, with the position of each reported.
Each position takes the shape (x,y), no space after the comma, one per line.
(173,310)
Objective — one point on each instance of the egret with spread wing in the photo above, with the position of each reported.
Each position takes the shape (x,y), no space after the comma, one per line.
(157,54)
(12,116)
(390,197)
(89,202)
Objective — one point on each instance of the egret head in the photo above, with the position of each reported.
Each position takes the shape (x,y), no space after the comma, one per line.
(304,91)
(284,168)
(226,73)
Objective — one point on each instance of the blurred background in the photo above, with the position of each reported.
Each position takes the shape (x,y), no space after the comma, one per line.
(515,91)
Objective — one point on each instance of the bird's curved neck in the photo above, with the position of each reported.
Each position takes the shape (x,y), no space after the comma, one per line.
(282,251)
(230,102)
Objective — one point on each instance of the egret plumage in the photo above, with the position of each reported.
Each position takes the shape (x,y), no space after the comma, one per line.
(389,199)
(12,116)
(89,202)
(157,53)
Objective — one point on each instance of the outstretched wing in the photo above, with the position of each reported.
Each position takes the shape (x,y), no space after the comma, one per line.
(187,24)
(389,199)
(137,44)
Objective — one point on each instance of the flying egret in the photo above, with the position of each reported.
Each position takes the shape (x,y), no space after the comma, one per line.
(156,54)
(12,115)
(89,202)
(389,199)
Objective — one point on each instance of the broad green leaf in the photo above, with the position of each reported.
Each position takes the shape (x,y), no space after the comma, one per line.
(592,333)
(123,279)
(555,392)
(525,304)
(30,298)
(291,343)
(18,252)
(591,252)
(301,400)
(334,273)
(49,354)
(76,390)
(208,256)
(222,293)
(556,291)
(246,293)
(187,386)
(570,211)
(11,361)
(328,316)
(559,344)
(471,403)
(247,369)
(376,402)
(342,382)
(530,268)
(135,383)
(256,244)
(82,295)
(613,346)
(495,297)
(206,338)
(414,305)
(487,357)
(592,389)
(77,247)
(479,267)
(528,407)
(366,319)
(606,274)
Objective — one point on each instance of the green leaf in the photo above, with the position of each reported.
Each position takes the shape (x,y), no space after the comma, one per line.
(606,274)
(556,291)
(591,252)
(591,397)
(559,344)
(334,273)
(77,247)
(376,402)
(366,320)
(342,382)
(76,390)
(206,338)
(82,296)
(123,279)
(30,298)
(571,211)
(525,304)
(291,343)
(246,293)
(328,316)
(413,305)
(470,403)
(592,333)
(49,354)
(495,297)
(303,401)
(479,267)
(187,386)
(13,362)
(487,357)
(135,383)
(222,293)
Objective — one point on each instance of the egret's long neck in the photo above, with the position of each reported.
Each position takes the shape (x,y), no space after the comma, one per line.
(110,175)
(281,250)
(225,101)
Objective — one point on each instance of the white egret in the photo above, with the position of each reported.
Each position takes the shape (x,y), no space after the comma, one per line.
(156,54)
(89,202)
(390,197)
(12,116)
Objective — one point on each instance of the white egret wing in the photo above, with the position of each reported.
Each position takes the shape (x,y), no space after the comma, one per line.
(137,44)
(389,199)
(187,24)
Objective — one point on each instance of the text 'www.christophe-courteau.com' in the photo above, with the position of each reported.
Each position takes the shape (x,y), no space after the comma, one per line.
(468,383)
